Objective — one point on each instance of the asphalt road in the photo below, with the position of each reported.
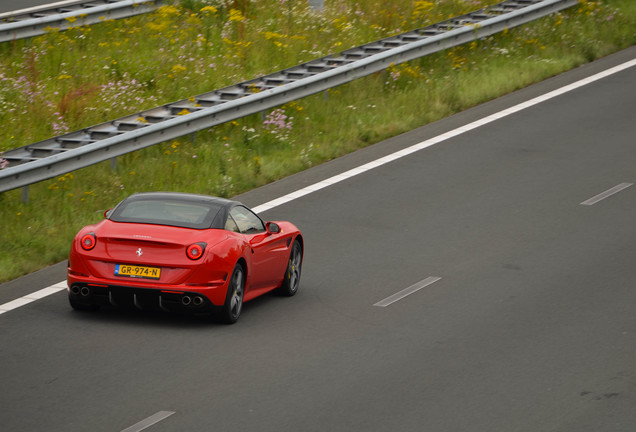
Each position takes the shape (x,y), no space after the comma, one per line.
(530,328)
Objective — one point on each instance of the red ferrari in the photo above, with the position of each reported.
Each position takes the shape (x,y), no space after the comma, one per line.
(182,252)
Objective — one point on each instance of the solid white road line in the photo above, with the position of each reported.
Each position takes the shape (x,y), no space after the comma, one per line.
(407,291)
(60,286)
(400,154)
(155,418)
(440,138)
(607,193)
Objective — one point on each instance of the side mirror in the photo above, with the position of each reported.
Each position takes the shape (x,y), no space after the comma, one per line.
(272,228)
(107,213)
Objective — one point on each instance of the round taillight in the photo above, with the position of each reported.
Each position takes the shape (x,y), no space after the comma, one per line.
(195,251)
(88,241)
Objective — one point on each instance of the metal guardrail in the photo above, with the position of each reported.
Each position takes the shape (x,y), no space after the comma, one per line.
(67,14)
(75,150)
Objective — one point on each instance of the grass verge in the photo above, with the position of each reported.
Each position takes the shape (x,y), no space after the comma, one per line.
(64,81)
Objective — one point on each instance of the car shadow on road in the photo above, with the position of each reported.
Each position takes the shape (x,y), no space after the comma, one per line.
(132,316)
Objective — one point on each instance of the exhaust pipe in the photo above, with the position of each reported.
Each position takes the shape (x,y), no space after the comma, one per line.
(198,301)
(75,289)
(85,291)
(186,300)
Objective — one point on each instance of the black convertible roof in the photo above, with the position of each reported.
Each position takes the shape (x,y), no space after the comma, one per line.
(215,217)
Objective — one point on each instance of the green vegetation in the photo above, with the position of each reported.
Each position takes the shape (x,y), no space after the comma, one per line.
(64,81)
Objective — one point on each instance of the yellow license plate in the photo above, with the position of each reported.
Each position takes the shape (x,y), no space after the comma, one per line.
(137,271)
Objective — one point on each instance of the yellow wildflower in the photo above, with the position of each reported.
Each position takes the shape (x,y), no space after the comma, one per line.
(178,68)
(272,35)
(210,9)
(166,11)
(157,27)
(421,8)
(236,15)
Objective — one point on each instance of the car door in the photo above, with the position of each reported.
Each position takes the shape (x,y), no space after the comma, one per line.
(268,250)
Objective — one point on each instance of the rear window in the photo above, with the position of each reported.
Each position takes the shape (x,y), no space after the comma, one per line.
(186,214)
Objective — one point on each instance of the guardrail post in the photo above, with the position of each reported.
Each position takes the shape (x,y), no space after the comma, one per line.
(113,164)
(318,5)
(25,194)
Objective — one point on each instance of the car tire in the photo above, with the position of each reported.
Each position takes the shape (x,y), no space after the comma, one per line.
(291,279)
(81,306)
(231,310)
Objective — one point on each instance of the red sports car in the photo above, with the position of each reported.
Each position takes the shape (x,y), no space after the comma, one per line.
(183,252)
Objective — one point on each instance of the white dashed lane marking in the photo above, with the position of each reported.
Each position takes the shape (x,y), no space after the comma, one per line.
(608,193)
(407,291)
(146,423)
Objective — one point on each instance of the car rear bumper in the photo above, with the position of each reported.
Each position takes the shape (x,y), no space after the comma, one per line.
(171,299)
